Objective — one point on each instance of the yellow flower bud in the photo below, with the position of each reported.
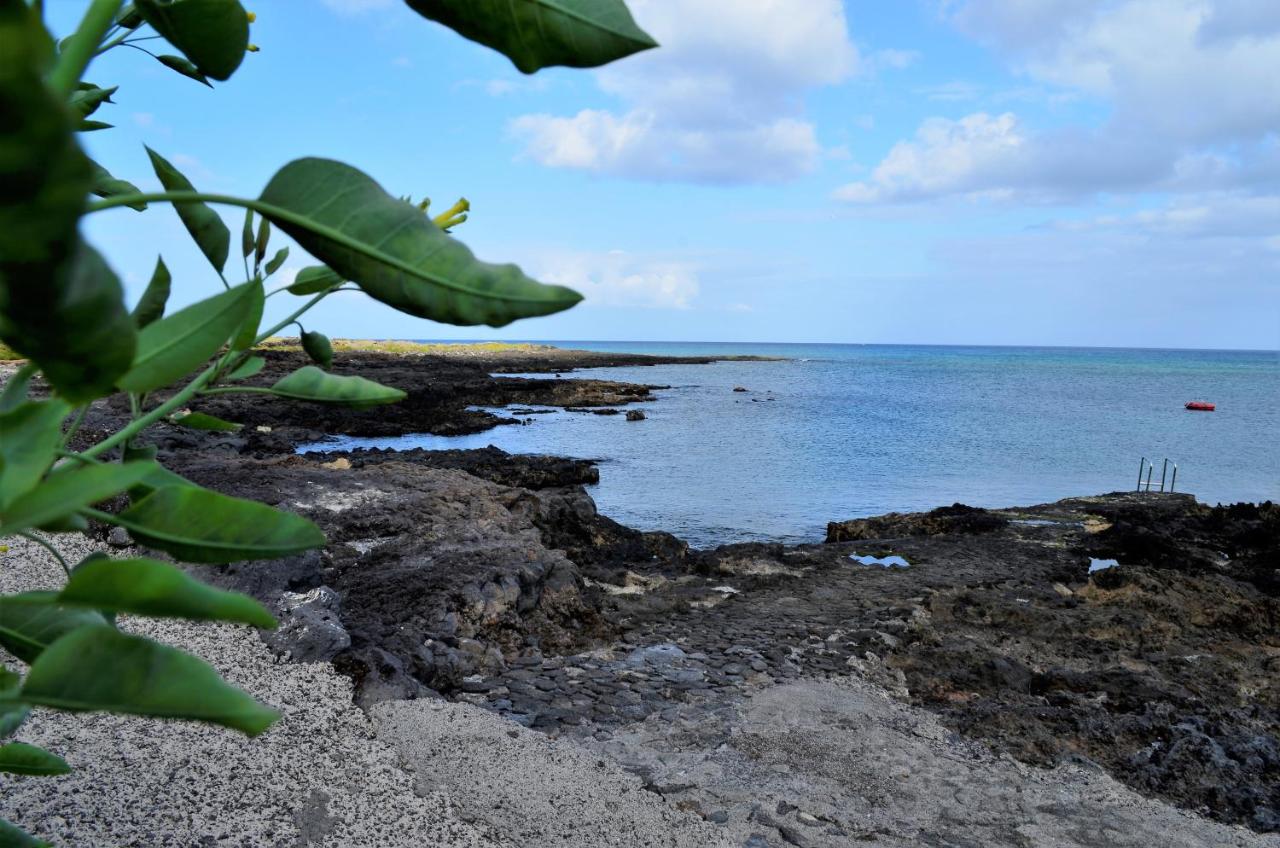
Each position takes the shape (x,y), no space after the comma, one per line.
(253,48)
(252,17)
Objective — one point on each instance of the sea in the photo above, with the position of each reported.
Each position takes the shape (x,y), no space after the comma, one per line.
(832,432)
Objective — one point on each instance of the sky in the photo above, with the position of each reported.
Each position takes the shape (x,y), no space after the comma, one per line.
(1022,172)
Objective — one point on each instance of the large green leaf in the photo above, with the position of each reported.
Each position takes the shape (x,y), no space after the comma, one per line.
(102,669)
(29,440)
(73,324)
(314,279)
(150,307)
(67,490)
(11,836)
(311,384)
(393,251)
(173,347)
(105,185)
(31,622)
(151,588)
(536,33)
(60,305)
(213,34)
(207,229)
(248,332)
(21,758)
(199,525)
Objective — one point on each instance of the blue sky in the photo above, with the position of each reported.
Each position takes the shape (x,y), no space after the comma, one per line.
(1059,172)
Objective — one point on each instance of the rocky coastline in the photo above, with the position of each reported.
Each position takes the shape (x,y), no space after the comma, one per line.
(802,695)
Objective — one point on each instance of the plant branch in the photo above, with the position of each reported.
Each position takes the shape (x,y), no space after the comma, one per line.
(82,45)
(154,415)
(75,425)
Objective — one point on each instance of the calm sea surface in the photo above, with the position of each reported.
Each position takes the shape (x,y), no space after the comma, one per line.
(841,431)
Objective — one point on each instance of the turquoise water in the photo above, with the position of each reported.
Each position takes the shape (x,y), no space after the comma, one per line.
(842,431)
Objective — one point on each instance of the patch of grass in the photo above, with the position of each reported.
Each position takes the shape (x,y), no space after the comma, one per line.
(8,354)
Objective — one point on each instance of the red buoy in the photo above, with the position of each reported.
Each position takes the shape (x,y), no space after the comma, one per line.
(1201,406)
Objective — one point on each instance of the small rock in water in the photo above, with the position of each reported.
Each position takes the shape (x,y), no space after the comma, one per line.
(740,389)
(635,415)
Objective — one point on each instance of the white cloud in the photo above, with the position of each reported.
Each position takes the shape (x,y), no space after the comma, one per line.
(1190,86)
(618,278)
(720,101)
(946,157)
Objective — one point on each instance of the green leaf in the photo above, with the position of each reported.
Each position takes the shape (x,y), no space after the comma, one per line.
(130,17)
(311,384)
(12,836)
(319,349)
(201,421)
(184,67)
(173,347)
(151,305)
(315,279)
(246,234)
(29,440)
(213,34)
(276,261)
(11,715)
(102,669)
(395,253)
(199,525)
(67,490)
(264,238)
(74,325)
(60,305)
(248,332)
(534,34)
(151,588)
(207,229)
(31,622)
(11,718)
(249,368)
(14,393)
(21,758)
(88,97)
(105,185)
(93,126)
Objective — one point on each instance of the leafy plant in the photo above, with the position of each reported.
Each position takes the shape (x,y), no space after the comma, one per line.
(62,308)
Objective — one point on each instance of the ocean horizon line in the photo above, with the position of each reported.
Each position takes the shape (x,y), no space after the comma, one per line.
(838,344)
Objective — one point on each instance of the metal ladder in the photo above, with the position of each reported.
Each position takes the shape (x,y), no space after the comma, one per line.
(1149,467)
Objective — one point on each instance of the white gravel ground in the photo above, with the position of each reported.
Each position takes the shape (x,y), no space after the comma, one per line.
(319,777)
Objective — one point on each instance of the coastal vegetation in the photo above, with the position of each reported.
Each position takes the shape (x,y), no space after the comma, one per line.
(63,311)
